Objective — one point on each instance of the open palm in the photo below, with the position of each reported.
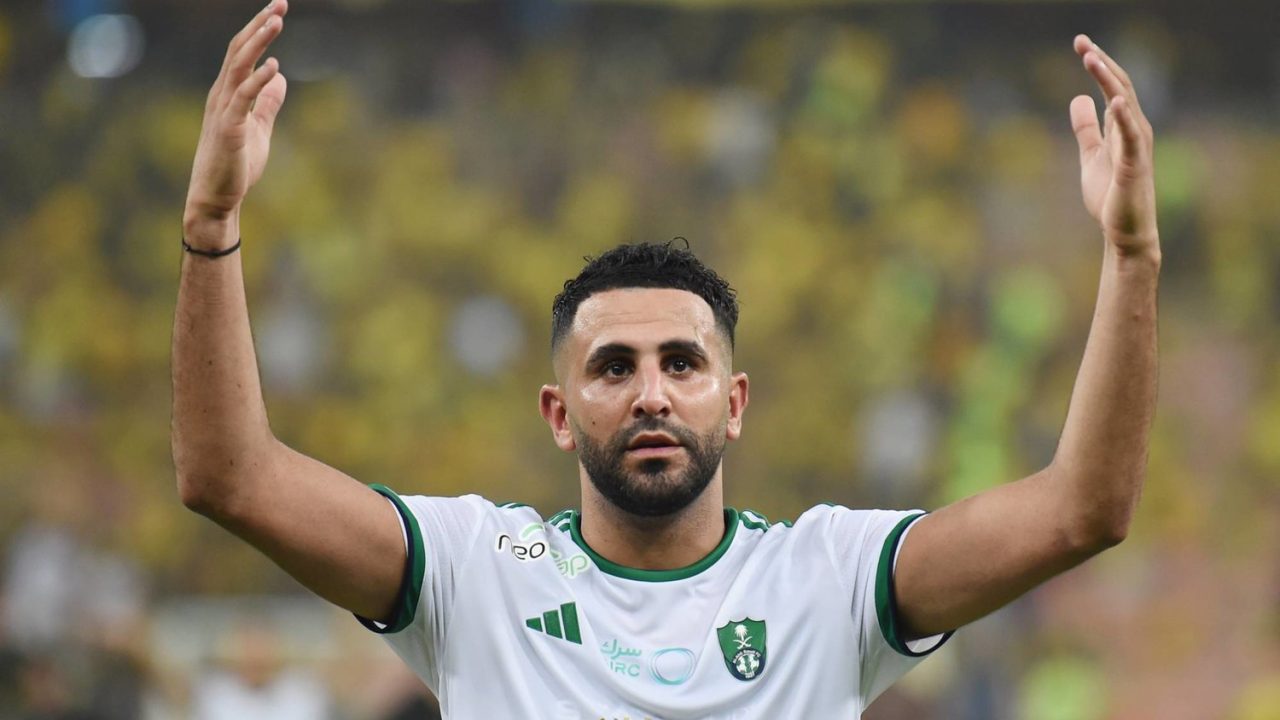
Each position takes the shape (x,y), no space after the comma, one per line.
(1116,169)
(235,139)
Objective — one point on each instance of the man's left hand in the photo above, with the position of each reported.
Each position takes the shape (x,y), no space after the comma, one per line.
(1116,168)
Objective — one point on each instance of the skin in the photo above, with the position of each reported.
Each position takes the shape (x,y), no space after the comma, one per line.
(970,558)
(601,393)
(343,541)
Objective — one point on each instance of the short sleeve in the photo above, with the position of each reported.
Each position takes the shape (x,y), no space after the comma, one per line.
(865,547)
(440,533)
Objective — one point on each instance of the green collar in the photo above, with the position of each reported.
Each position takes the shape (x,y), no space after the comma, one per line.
(611,568)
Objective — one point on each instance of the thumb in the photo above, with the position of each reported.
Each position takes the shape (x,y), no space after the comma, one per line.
(270,100)
(1084,121)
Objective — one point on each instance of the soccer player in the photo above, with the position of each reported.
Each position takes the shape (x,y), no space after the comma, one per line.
(653,600)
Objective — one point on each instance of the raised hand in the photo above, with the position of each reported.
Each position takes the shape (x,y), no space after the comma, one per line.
(1116,169)
(236,135)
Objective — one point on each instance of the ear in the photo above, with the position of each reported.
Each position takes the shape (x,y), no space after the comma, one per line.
(738,398)
(551,405)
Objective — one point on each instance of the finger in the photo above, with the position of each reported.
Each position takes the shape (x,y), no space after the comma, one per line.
(273,8)
(1130,93)
(1107,80)
(1131,136)
(249,89)
(243,63)
(1084,122)
(1118,71)
(1084,45)
(270,100)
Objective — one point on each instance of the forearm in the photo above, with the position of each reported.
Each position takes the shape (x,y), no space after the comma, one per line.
(220,430)
(1101,459)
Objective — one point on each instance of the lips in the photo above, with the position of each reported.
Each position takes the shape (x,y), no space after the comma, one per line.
(652,441)
(654,444)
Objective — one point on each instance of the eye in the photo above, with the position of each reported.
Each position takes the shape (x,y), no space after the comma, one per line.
(617,368)
(680,365)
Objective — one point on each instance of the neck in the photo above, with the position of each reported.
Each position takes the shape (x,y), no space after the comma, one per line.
(669,542)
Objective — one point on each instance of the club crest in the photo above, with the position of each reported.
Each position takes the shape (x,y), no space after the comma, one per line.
(743,645)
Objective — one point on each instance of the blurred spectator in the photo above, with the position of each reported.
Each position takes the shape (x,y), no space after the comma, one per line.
(254,682)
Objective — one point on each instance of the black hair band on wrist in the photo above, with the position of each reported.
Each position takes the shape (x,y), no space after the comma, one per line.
(210,253)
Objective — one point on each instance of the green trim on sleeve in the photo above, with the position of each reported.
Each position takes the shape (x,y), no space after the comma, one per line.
(886,603)
(415,566)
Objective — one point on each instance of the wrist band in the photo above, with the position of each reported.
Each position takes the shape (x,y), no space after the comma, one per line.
(210,253)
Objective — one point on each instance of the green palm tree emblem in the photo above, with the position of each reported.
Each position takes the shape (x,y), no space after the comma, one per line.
(743,644)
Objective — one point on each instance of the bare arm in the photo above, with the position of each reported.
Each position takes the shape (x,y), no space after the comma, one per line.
(976,555)
(336,536)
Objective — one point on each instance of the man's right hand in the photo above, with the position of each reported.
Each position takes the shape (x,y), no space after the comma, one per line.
(336,536)
(236,135)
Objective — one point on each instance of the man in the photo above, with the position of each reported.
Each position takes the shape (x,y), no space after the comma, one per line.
(653,600)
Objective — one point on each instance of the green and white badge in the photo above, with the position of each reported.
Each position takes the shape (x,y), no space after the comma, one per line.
(743,645)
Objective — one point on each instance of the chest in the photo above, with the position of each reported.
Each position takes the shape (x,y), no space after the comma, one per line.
(737,640)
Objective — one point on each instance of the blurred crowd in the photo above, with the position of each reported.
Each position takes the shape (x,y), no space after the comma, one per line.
(893,190)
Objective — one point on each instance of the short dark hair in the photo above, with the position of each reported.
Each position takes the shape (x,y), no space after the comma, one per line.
(645,265)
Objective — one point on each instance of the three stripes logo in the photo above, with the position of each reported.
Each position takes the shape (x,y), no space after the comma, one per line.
(562,623)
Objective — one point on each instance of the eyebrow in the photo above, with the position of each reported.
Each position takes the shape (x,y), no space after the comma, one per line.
(686,347)
(614,350)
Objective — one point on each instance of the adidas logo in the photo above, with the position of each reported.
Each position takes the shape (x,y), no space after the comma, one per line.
(562,623)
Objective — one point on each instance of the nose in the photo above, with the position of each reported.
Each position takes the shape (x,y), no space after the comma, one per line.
(651,393)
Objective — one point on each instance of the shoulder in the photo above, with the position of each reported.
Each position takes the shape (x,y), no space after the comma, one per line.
(454,523)
(472,507)
(820,518)
(839,530)
(838,519)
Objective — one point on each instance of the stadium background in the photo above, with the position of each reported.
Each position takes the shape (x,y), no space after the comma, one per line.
(892,187)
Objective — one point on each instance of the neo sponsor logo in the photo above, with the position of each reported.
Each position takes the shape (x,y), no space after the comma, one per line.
(523,549)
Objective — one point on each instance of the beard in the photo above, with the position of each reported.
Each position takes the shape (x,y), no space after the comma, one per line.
(655,488)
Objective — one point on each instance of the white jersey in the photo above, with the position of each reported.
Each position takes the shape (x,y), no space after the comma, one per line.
(506,615)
